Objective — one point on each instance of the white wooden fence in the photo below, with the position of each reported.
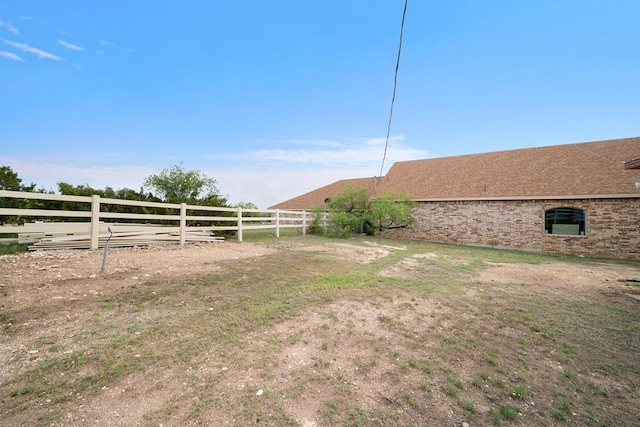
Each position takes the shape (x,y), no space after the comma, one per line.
(225,219)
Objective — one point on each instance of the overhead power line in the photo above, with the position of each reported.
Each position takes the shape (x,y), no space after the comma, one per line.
(393,100)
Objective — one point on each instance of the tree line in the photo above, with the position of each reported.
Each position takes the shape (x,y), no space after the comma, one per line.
(175,184)
(351,211)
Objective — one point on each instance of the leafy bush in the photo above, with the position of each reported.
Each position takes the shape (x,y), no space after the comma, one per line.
(316,226)
(353,211)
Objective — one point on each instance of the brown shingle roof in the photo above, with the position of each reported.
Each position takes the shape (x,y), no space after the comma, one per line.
(585,169)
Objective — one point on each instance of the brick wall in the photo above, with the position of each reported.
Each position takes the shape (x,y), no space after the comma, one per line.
(613,226)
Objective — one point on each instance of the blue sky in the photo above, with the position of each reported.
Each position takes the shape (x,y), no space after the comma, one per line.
(277,98)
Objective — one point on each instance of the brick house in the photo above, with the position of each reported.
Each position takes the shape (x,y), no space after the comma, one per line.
(581,199)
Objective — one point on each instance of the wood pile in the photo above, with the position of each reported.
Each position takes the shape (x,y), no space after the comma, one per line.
(77,235)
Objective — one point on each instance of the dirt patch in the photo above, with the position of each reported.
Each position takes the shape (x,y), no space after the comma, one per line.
(408,267)
(560,275)
(357,253)
(46,276)
(349,341)
(578,280)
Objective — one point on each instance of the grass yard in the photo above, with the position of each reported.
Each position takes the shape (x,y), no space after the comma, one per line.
(308,331)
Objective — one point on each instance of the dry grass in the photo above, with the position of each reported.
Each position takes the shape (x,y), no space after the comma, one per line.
(306,336)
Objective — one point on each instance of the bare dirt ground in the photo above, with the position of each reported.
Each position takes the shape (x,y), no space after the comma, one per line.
(581,282)
(344,338)
(45,276)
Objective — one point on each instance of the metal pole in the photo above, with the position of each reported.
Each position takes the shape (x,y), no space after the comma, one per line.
(104,255)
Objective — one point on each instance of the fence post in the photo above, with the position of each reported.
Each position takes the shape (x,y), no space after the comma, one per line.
(304,223)
(95,221)
(183,223)
(277,223)
(239,224)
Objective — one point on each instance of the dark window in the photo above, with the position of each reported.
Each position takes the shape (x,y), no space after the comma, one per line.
(567,221)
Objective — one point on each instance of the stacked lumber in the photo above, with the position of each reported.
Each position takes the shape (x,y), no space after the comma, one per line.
(77,235)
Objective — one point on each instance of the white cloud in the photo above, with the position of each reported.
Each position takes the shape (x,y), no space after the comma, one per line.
(48,173)
(115,46)
(294,167)
(10,55)
(263,177)
(33,18)
(264,187)
(70,45)
(349,151)
(29,49)
(9,27)
(303,142)
(267,187)
(100,52)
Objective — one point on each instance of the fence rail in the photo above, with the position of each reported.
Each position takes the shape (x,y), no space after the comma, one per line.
(219,219)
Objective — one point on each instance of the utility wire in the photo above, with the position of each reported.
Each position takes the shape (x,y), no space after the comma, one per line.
(393,100)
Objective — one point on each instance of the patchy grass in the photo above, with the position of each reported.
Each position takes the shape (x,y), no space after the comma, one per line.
(318,335)
(12,248)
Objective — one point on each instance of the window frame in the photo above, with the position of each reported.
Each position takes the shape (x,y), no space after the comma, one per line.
(566,216)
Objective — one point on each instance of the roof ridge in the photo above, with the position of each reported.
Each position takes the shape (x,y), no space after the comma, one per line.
(540,147)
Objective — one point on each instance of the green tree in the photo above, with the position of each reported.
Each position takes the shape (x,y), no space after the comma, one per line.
(245,205)
(180,185)
(317,224)
(9,180)
(353,210)
(391,210)
(348,211)
(248,205)
(107,193)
